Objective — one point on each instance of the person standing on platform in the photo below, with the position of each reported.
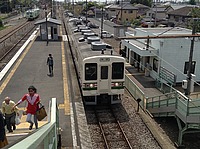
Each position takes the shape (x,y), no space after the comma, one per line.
(33,100)
(50,64)
(3,139)
(9,113)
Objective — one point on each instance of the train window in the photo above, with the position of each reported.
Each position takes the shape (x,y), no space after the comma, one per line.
(91,71)
(104,72)
(118,70)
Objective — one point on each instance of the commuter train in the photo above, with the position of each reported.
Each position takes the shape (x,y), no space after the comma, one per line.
(101,72)
(32,14)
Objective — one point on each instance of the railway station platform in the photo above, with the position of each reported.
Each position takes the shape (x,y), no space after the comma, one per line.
(29,67)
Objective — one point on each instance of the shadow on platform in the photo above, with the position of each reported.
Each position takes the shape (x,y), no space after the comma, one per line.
(145,81)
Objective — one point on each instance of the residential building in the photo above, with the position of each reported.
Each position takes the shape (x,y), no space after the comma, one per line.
(126,13)
(158,13)
(181,16)
(167,58)
(142,9)
(111,11)
(123,12)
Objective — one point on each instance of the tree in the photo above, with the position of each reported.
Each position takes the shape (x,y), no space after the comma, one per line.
(195,13)
(144,2)
(192,2)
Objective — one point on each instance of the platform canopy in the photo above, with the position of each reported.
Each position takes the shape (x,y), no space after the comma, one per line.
(49,20)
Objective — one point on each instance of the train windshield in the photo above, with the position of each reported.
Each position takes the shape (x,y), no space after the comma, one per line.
(91,71)
(118,70)
(104,72)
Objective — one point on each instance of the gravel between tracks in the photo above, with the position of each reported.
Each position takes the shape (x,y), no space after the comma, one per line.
(13,24)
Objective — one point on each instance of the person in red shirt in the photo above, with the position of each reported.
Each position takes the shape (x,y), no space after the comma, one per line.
(33,99)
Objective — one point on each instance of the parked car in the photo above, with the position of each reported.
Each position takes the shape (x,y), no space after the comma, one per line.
(92,25)
(106,34)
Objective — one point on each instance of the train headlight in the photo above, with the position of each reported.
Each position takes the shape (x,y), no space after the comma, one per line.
(91,85)
(116,84)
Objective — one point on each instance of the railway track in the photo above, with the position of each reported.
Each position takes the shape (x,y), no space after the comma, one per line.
(11,43)
(13,40)
(112,132)
(13,31)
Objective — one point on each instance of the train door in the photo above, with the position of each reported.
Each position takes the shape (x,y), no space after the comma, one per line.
(104,85)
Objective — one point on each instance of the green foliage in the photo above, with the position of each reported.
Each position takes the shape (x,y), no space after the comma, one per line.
(136,22)
(195,13)
(192,2)
(144,2)
(1,23)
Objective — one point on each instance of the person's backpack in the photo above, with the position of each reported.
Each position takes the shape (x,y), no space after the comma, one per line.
(50,60)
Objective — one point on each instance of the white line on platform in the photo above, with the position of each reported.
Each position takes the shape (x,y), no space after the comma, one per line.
(73,126)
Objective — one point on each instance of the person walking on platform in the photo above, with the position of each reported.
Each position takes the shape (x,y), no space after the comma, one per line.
(50,64)
(3,139)
(9,113)
(33,100)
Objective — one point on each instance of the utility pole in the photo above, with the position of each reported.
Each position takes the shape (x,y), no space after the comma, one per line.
(46,24)
(187,92)
(86,12)
(102,23)
(51,8)
(155,13)
(121,11)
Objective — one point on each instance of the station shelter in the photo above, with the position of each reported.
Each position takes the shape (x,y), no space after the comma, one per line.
(49,28)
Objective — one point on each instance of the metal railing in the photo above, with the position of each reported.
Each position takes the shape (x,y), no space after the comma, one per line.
(45,137)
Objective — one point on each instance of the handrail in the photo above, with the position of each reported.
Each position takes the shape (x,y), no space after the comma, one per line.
(47,134)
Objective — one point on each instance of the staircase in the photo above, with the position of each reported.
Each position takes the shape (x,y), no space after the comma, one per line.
(22,130)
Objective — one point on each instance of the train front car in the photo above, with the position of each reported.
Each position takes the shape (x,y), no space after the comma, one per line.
(103,79)
(32,14)
(101,70)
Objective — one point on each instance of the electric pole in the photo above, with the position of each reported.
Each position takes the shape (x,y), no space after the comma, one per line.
(187,92)
(121,11)
(86,13)
(46,24)
(102,22)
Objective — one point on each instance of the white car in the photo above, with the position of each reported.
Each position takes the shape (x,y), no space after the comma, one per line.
(106,34)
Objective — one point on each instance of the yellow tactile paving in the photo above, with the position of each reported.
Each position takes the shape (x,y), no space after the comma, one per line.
(65,81)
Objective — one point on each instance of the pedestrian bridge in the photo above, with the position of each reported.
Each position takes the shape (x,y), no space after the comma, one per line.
(47,136)
(176,104)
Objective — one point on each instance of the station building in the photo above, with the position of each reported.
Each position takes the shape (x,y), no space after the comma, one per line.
(164,59)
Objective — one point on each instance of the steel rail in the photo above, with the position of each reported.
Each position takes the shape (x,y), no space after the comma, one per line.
(102,131)
(120,127)
(13,32)
(8,51)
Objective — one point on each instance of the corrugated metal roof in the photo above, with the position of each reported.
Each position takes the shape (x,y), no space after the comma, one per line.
(166,31)
(50,20)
